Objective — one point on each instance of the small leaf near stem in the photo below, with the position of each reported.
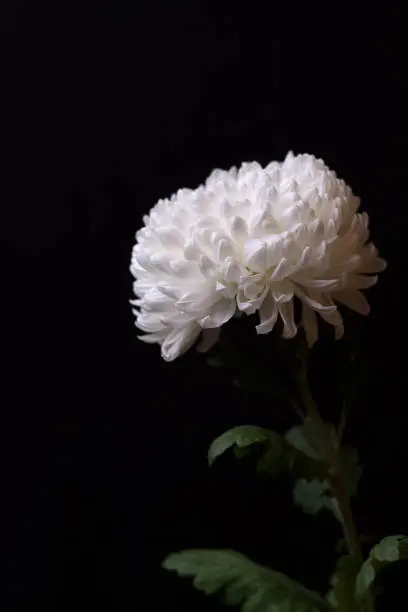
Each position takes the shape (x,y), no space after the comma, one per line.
(242,437)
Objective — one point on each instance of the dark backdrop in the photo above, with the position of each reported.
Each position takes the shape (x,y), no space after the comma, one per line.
(106,109)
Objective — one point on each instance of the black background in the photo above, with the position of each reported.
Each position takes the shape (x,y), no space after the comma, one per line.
(106,109)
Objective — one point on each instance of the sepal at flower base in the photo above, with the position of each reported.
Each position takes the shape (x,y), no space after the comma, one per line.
(243,582)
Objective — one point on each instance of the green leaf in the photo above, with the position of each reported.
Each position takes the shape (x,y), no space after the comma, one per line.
(277,453)
(273,461)
(244,582)
(242,436)
(302,437)
(312,491)
(365,578)
(313,495)
(303,456)
(342,594)
(389,550)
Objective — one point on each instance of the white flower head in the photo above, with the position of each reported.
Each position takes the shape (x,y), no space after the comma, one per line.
(252,240)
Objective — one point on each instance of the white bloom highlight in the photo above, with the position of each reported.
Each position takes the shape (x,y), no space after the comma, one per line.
(252,240)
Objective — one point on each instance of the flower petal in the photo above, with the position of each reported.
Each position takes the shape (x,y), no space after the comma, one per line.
(354,300)
(169,290)
(195,302)
(309,321)
(154,338)
(282,270)
(255,255)
(149,322)
(318,302)
(239,229)
(283,291)
(339,329)
(225,248)
(358,281)
(321,284)
(251,305)
(170,237)
(191,250)
(286,312)
(220,313)
(208,268)
(252,286)
(275,248)
(179,341)
(372,267)
(232,271)
(268,314)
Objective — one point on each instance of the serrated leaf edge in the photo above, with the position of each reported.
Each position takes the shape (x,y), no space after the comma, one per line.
(174,560)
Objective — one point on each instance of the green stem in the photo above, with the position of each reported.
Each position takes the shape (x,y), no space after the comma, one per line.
(330,447)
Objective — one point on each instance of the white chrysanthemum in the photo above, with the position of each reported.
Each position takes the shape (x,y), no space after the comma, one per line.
(252,240)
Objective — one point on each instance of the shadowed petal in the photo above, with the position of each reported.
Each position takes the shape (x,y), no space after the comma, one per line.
(309,321)
(354,300)
(268,314)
